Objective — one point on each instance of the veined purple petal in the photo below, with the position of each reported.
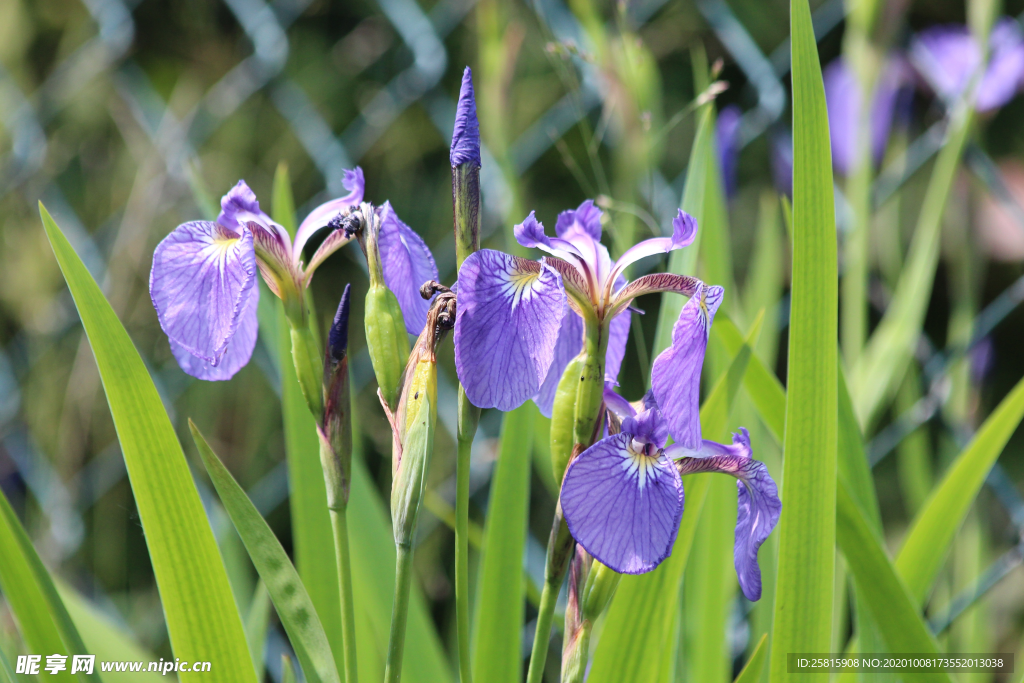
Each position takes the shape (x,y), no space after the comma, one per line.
(509,314)
(618,335)
(466,135)
(652,284)
(759,505)
(239,206)
(624,507)
(615,403)
(568,345)
(200,282)
(727,137)
(530,234)
(684,231)
(320,216)
(675,376)
(407,264)
(585,218)
(236,354)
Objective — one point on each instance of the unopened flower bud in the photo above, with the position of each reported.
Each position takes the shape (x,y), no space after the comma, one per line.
(465,158)
(336,431)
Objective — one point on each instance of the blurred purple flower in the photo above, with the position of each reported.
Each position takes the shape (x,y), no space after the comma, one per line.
(623,497)
(520,322)
(947,58)
(982,359)
(727,138)
(843,98)
(781,156)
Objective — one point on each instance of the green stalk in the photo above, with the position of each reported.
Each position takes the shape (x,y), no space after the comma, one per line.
(399,613)
(559,549)
(348,617)
(469,416)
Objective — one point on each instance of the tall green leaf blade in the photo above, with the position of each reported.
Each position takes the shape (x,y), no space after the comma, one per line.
(293,604)
(312,533)
(887,597)
(257,621)
(803,596)
(755,665)
(932,531)
(497,651)
(635,644)
(202,618)
(25,594)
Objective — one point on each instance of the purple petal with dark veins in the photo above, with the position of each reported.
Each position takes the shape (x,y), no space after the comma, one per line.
(568,344)
(407,264)
(320,216)
(618,335)
(675,376)
(509,313)
(684,231)
(585,218)
(239,206)
(759,505)
(235,355)
(623,507)
(466,134)
(647,427)
(530,234)
(200,282)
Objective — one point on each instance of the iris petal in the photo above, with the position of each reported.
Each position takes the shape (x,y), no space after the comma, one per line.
(407,264)
(623,507)
(200,282)
(509,313)
(675,376)
(240,206)
(236,354)
(759,505)
(585,218)
(320,216)
(618,335)
(684,231)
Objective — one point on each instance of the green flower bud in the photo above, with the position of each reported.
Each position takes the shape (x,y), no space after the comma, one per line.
(602,583)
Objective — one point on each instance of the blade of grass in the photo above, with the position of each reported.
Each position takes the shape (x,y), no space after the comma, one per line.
(924,550)
(256,624)
(497,651)
(202,618)
(293,604)
(755,665)
(635,643)
(312,533)
(803,594)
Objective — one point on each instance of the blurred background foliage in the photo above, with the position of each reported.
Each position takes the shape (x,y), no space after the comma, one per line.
(128,117)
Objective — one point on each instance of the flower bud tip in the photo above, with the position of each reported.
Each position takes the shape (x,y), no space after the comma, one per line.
(339,328)
(466,134)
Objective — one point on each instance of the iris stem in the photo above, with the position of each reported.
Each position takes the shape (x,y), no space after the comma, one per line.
(469,416)
(339,521)
(399,613)
(577,655)
(560,545)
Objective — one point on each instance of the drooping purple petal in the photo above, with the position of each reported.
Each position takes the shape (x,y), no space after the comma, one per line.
(675,376)
(615,403)
(320,216)
(200,282)
(236,354)
(652,284)
(585,218)
(684,231)
(407,264)
(530,234)
(240,206)
(618,335)
(568,345)
(727,139)
(466,135)
(759,505)
(509,313)
(624,507)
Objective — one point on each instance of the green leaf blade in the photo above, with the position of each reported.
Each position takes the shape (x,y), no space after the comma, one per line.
(803,599)
(203,621)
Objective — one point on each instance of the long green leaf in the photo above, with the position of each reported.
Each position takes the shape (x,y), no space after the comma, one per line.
(497,652)
(294,607)
(256,623)
(202,618)
(803,595)
(635,644)
(880,369)
(887,597)
(106,639)
(932,531)
(22,586)
(755,665)
(6,672)
(312,534)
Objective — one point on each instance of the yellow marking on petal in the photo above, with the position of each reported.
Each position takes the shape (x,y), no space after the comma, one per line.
(520,284)
(640,465)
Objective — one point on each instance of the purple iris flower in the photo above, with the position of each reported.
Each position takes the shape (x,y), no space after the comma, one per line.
(203,280)
(948,57)
(520,322)
(623,497)
(843,98)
